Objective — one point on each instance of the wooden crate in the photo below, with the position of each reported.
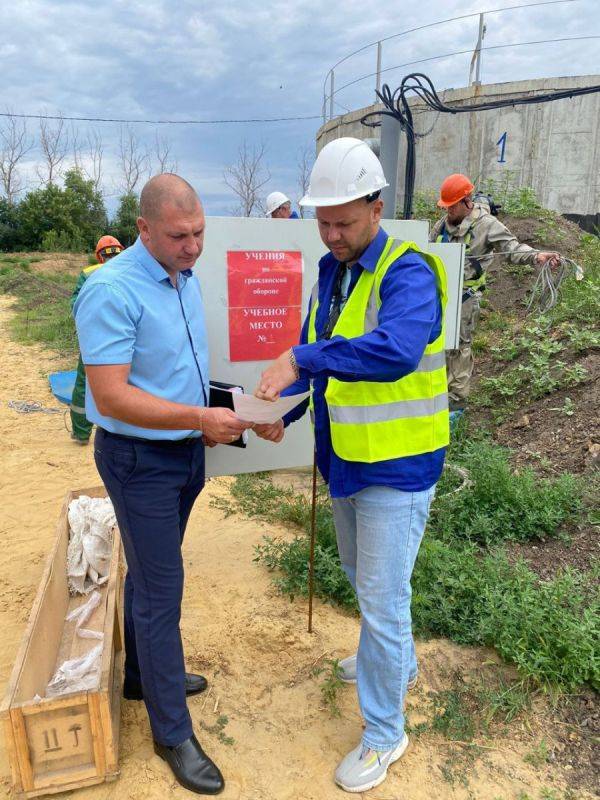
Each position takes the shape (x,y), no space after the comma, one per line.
(67,742)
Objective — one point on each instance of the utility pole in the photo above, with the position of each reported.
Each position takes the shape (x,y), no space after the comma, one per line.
(389,156)
(476,59)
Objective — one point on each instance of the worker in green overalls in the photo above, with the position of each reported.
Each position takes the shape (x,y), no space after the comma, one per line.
(108,247)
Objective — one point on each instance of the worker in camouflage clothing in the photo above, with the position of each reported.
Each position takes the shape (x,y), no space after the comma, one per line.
(469,220)
(108,247)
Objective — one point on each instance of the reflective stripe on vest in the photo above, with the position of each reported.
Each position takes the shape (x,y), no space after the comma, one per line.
(357,415)
(377,421)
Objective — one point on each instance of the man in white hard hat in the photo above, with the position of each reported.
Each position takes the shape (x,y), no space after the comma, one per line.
(372,348)
(279,206)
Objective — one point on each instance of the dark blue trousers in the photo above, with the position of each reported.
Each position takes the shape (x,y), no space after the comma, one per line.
(153,486)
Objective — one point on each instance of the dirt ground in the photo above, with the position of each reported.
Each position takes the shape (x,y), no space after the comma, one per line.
(251,644)
(72,263)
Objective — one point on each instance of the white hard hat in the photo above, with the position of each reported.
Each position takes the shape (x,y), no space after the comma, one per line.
(274,200)
(345,170)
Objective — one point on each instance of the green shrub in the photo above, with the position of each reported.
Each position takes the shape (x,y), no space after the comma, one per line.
(124,223)
(75,213)
(62,242)
(520,201)
(424,206)
(9,226)
(549,629)
(580,300)
(502,504)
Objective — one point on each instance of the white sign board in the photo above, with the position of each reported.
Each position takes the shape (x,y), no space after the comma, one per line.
(229,234)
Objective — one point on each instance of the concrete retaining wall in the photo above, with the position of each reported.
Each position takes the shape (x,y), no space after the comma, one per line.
(552,147)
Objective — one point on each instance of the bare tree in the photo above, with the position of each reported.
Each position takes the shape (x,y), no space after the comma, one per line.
(14,146)
(134,159)
(162,150)
(54,141)
(306,159)
(95,153)
(76,149)
(247,177)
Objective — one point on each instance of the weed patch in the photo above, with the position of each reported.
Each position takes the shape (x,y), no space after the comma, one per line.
(218,728)
(331,683)
(42,305)
(502,504)
(549,629)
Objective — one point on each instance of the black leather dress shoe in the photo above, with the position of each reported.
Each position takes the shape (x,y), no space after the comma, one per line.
(192,767)
(194,684)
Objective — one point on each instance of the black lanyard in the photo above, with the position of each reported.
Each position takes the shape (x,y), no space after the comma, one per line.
(338,300)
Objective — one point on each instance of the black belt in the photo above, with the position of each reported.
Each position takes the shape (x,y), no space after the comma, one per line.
(188,440)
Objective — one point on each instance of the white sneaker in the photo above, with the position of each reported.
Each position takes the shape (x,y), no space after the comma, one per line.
(363,768)
(348,672)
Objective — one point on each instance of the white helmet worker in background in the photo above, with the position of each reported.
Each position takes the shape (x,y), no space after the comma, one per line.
(279,206)
(372,347)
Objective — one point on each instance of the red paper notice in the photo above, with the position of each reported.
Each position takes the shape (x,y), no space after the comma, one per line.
(265,298)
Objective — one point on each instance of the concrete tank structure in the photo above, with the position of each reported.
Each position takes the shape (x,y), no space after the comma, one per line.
(553,147)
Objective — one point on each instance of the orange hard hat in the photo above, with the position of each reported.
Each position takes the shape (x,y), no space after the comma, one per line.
(454,189)
(106,242)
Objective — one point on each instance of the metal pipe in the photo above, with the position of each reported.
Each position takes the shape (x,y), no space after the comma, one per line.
(479,43)
(311,557)
(389,156)
(378,79)
(443,22)
(464,52)
(331,91)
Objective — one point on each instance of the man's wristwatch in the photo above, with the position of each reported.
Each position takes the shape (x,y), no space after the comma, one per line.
(294,364)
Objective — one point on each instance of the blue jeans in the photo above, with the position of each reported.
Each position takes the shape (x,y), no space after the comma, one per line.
(379,531)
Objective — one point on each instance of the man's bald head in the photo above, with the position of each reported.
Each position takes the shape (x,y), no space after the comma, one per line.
(171,222)
(167,189)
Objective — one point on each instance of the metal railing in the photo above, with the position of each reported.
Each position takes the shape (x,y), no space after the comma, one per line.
(329,87)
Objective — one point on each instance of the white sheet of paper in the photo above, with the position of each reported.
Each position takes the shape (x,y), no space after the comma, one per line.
(265,412)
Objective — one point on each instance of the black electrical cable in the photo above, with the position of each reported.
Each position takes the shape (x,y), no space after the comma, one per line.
(396,106)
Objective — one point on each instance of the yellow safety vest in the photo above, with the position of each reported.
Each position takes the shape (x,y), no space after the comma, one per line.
(376,421)
(87,271)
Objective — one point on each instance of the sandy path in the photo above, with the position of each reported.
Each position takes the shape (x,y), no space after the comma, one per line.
(250,643)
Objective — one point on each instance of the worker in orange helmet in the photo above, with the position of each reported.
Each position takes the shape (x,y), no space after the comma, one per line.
(81,428)
(471,220)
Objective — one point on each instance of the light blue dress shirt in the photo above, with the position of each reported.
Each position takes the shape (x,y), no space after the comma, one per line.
(129,312)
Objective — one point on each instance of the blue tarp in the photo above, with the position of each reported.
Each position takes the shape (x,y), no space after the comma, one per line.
(61,384)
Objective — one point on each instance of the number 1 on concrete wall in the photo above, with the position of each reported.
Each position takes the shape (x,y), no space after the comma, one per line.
(501,143)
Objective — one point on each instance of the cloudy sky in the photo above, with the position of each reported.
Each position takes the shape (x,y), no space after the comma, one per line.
(191,59)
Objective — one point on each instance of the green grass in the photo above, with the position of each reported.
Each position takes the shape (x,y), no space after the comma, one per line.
(464,585)
(330,673)
(541,371)
(218,728)
(469,708)
(580,300)
(42,307)
(538,756)
(547,345)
